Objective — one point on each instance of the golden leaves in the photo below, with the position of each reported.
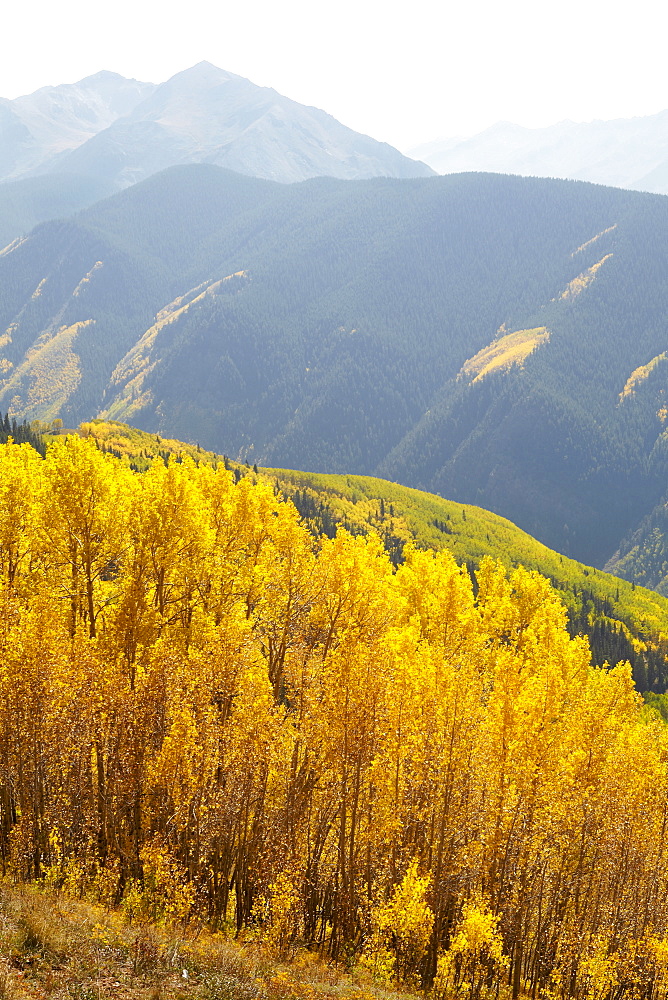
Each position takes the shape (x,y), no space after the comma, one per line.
(200,704)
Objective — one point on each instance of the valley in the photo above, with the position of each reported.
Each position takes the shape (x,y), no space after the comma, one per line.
(475,335)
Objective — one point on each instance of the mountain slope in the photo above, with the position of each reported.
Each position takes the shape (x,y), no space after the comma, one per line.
(37,129)
(470,335)
(206,115)
(24,204)
(628,153)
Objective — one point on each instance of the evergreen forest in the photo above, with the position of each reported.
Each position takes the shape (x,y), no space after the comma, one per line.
(499,340)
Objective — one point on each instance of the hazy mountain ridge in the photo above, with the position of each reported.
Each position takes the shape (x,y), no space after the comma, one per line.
(627,152)
(206,115)
(36,130)
(24,204)
(122,131)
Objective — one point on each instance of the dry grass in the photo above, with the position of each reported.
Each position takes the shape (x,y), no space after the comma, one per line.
(52,946)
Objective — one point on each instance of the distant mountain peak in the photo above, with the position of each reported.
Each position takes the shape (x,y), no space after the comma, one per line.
(124,131)
(105,76)
(39,129)
(204,72)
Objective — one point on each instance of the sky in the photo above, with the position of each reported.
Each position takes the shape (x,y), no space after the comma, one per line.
(404,74)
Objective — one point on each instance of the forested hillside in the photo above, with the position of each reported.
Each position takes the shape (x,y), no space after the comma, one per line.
(643,556)
(24,204)
(621,621)
(206,714)
(475,335)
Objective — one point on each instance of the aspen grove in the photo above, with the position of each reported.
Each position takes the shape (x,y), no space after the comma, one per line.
(206,713)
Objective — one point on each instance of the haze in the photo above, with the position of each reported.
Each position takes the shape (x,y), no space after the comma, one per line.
(403,75)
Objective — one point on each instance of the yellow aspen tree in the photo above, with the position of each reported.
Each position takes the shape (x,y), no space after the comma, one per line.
(21,485)
(83,528)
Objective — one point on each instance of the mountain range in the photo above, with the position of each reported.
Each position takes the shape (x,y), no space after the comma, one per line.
(627,152)
(40,129)
(483,337)
(120,131)
(332,305)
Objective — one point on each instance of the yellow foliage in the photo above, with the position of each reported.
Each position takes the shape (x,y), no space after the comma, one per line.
(637,377)
(204,709)
(578,285)
(511,349)
(478,932)
(405,921)
(162,894)
(593,240)
(49,374)
(280,912)
(476,947)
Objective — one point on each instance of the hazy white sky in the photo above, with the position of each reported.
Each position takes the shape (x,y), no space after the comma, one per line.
(402,73)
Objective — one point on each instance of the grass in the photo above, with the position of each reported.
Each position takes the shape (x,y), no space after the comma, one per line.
(54,946)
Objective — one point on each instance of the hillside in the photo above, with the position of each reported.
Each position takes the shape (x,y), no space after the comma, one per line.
(620,620)
(626,152)
(214,720)
(642,556)
(469,335)
(24,204)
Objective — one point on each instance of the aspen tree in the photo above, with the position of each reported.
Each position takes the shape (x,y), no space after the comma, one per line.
(203,709)
(82,528)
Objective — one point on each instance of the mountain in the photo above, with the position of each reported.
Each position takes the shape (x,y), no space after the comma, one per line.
(36,130)
(206,115)
(627,152)
(64,148)
(472,335)
(121,131)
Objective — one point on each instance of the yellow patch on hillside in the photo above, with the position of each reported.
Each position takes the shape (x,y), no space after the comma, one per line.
(86,278)
(502,354)
(593,239)
(38,291)
(136,360)
(14,245)
(138,363)
(48,376)
(583,280)
(183,302)
(638,376)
